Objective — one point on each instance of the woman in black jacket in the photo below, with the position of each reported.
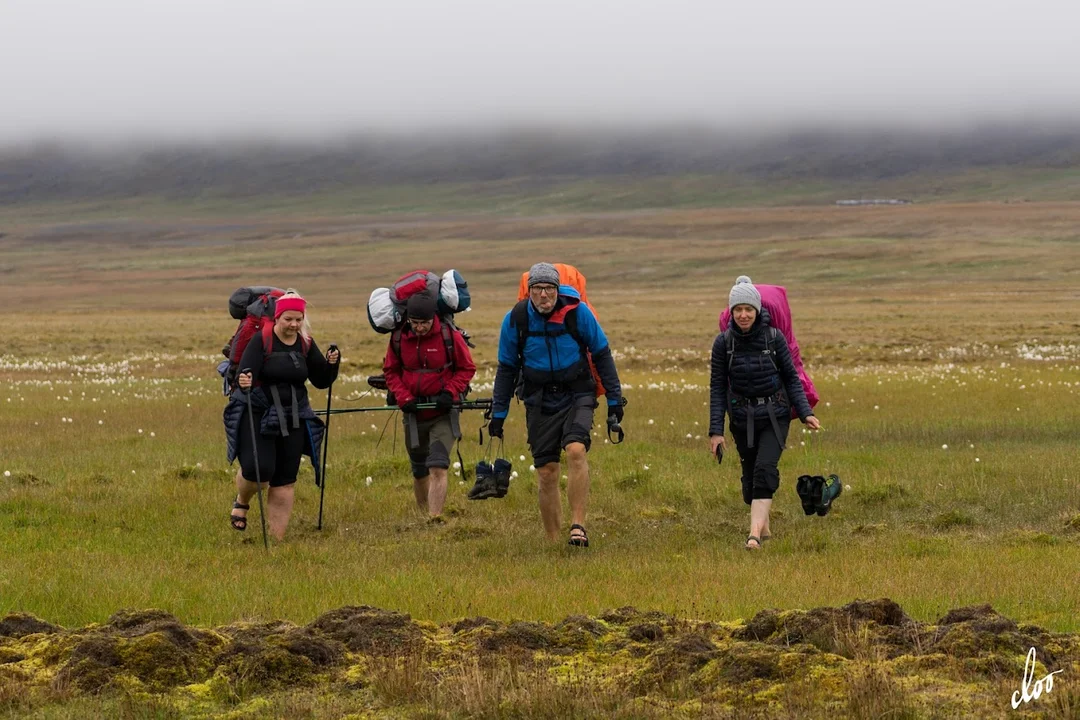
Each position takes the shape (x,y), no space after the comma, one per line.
(281,359)
(754,381)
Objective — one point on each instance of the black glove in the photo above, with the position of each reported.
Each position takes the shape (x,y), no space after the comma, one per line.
(409,407)
(495,427)
(444,400)
(617,411)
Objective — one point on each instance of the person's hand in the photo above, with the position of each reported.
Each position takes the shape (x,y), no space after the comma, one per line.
(244,381)
(618,411)
(495,427)
(408,407)
(716,441)
(444,400)
(333,356)
(813,423)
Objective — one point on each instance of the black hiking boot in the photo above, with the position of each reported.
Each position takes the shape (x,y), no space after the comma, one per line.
(831,488)
(485,486)
(501,471)
(809,491)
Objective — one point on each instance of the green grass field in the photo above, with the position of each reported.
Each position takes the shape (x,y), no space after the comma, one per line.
(942,340)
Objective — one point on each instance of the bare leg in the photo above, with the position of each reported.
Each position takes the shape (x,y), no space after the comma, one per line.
(420,490)
(759,518)
(550,499)
(577,487)
(436,495)
(245,490)
(279,504)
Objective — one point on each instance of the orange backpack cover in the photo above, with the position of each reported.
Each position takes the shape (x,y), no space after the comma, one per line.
(568,275)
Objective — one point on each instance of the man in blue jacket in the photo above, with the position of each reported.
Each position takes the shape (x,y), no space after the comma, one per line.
(547,340)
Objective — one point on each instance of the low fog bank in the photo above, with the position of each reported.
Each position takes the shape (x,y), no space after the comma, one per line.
(56,171)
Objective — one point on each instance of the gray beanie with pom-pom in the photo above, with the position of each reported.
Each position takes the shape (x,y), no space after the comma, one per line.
(744,293)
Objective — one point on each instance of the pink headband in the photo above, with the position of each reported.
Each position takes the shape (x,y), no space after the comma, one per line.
(284,304)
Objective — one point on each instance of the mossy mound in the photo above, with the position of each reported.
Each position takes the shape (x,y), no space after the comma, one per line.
(865,659)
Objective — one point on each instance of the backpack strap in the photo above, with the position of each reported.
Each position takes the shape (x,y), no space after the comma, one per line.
(770,344)
(395,342)
(448,343)
(570,323)
(519,320)
(267,332)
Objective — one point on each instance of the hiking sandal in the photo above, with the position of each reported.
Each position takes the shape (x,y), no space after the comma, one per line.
(578,536)
(239,522)
(756,540)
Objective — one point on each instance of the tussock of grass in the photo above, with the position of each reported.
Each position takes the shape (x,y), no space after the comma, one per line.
(865,659)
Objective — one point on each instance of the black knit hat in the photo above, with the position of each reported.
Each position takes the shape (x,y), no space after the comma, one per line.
(420,306)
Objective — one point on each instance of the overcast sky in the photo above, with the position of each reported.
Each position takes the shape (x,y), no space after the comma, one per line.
(205,68)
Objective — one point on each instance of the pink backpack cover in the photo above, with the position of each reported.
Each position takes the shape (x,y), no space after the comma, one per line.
(774,299)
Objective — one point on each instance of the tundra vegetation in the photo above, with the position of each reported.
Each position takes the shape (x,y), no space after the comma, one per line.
(943,341)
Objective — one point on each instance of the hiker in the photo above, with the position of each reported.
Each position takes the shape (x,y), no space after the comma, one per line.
(754,380)
(281,358)
(427,361)
(546,339)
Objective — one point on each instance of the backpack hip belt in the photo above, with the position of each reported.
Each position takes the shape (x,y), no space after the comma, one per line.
(770,402)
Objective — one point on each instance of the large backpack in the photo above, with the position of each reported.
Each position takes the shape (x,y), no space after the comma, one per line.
(386,311)
(254,308)
(386,306)
(519,316)
(774,299)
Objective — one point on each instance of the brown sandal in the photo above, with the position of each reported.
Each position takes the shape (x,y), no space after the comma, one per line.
(239,522)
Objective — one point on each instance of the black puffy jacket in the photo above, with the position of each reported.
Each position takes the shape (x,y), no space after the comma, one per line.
(753,374)
(312,427)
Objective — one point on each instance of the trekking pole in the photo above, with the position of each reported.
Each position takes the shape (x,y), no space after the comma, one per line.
(467,405)
(258,475)
(326,440)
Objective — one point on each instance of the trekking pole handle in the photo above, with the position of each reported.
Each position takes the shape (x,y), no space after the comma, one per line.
(613,426)
(332,348)
(245,371)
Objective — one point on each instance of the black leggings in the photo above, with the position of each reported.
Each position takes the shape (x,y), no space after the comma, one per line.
(279,456)
(760,476)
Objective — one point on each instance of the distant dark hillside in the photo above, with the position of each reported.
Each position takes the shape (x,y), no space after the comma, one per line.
(45,173)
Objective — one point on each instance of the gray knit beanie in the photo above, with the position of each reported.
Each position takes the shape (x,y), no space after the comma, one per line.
(744,293)
(543,273)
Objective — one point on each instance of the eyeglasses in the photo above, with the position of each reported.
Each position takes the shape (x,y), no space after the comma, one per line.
(544,289)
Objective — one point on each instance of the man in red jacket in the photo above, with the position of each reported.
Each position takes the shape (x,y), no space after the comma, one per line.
(428,362)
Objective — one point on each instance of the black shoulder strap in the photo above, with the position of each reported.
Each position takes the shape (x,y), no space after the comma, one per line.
(448,342)
(770,343)
(519,320)
(570,323)
(395,343)
(729,339)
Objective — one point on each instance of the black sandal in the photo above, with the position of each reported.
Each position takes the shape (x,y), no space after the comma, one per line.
(756,540)
(239,522)
(581,540)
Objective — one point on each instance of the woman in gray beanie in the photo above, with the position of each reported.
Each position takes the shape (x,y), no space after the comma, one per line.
(755,382)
